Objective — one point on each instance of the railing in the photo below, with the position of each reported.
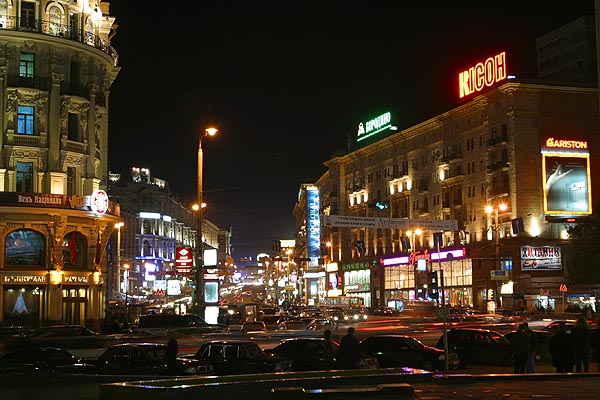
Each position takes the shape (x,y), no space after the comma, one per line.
(58,30)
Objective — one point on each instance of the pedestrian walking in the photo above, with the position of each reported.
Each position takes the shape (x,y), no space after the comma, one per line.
(172,351)
(580,337)
(349,351)
(530,364)
(520,349)
(561,349)
(328,353)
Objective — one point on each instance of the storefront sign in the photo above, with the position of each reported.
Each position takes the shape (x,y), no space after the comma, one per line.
(499,275)
(444,254)
(566,144)
(183,259)
(482,75)
(75,279)
(350,221)
(540,258)
(35,279)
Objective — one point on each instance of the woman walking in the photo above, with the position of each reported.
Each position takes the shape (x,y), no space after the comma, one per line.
(580,335)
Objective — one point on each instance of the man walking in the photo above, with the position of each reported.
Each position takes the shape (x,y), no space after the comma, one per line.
(349,351)
(561,349)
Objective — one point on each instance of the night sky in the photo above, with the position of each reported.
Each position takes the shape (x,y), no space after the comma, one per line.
(287,85)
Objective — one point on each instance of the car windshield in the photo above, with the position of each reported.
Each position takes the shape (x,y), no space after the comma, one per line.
(252,351)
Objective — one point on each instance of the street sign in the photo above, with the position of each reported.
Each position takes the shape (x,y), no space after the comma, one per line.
(563,288)
(442,313)
(499,275)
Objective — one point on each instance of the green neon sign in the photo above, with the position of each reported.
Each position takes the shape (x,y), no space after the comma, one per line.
(374,126)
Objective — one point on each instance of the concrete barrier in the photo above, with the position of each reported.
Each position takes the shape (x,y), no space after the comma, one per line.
(263,386)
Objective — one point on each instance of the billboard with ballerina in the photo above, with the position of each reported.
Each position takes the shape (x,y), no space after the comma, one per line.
(567,182)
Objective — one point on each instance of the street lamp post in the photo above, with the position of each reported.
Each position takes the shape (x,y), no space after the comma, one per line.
(199,305)
(126,289)
(112,280)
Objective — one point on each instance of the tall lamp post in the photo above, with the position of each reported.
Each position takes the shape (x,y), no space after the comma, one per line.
(199,304)
(116,278)
(126,289)
(489,209)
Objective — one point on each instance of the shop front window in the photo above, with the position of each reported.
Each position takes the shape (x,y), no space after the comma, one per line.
(74,245)
(22,305)
(25,247)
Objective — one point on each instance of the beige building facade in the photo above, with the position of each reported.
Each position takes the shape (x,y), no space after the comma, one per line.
(56,70)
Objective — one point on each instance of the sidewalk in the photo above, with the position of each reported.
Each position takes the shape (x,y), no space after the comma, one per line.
(512,387)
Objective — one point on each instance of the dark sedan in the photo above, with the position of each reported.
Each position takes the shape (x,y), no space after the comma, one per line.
(478,346)
(147,359)
(237,357)
(397,351)
(43,362)
(308,353)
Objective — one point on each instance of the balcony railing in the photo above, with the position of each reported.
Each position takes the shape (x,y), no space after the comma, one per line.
(58,30)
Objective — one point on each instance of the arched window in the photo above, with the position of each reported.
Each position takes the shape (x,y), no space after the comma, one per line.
(25,247)
(74,251)
(55,17)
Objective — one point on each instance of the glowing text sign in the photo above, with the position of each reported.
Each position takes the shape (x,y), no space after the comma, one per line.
(566,144)
(373,126)
(483,74)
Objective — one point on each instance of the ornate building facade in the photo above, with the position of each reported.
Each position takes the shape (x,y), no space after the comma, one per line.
(56,70)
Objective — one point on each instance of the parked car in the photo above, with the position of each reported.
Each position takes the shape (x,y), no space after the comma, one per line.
(253,326)
(146,359)
(397,351)
(478,346)
(542,352)
(42,361)
(321,324)
(237,357)
(292,325)
(271,321)
(383,311)
(307,354)
(61,331)
(181,323)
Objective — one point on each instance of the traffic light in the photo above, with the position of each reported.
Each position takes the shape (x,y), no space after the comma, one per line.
(432,285)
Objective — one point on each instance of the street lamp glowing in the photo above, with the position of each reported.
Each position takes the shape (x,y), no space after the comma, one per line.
(211,131)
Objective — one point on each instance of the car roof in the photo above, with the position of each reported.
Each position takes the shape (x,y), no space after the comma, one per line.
(230,341)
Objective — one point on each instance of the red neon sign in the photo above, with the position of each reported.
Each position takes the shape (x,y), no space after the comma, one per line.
(483,74)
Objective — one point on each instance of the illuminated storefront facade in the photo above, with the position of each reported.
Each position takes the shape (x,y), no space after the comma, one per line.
(56,216)
(502,146)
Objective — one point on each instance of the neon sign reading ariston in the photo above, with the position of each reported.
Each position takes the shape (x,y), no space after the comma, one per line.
(483,74)
(566,144)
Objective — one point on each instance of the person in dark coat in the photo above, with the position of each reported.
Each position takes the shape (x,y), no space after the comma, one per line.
(580,336)
(561,349)
(328,352)
(520,348)
(172,351)
(349,351)
(530,369)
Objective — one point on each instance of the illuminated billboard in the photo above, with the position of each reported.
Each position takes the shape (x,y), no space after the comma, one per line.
(373,126)
(566,178)
(314,225)
(482,75)
(536,258)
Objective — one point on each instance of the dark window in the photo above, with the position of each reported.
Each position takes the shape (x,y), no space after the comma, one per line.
(71,181)
(24,177)
(27,14)
(73,127)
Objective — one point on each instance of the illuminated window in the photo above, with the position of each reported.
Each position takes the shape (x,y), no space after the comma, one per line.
(26,66)
(74,254)
(55,17)
(25,247)
(25,120)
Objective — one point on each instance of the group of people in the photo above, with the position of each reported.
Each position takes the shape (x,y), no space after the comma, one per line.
(574,348)
(567,349)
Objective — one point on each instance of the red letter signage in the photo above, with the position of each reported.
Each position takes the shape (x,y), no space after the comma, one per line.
(476,78)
